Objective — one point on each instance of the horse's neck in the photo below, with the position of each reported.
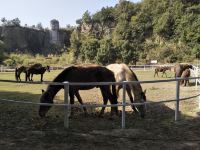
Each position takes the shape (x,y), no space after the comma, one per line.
(54,89)
(137,90)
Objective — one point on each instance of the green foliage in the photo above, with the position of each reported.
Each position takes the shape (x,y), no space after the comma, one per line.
(106,53)
(89,48)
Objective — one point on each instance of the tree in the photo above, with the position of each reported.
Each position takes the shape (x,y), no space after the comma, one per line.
(39,26)
(86,18)
(89,48)
(106,53)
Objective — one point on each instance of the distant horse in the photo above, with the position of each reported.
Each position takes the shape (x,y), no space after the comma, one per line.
(18,72)
(162,69)
(35,69)
(81,74)
(185,74)
(179,68)
(124,73)
(24,69)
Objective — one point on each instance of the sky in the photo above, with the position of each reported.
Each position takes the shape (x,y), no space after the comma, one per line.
(32,12)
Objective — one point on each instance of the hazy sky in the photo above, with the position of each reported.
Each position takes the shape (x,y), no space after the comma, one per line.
(31,12)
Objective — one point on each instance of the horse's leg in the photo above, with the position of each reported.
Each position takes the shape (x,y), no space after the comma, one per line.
(118,88)
(41,77)
(71,95)
(154,73)
(18,76)
(108,96)
(105,100)
(80,101)
(128,90)
(31,76)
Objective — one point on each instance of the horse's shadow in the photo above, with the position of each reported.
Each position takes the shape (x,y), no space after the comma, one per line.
(26,116)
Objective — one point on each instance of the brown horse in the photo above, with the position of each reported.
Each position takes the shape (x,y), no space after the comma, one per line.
(162,69)
(185,74)
(36,69)
(124,73)
(24,69)
(81,74)
(179,68)
(18,72)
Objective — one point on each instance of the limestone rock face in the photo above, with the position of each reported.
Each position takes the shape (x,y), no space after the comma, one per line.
(17,38)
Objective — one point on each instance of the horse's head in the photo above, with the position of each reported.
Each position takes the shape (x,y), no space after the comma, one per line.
(45,98)
(48,68)
(142,108)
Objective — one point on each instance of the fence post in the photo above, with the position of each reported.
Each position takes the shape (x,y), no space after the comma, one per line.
(124,105)
(67,107)
(177,99)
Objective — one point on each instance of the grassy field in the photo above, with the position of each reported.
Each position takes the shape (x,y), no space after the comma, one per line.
(21,128)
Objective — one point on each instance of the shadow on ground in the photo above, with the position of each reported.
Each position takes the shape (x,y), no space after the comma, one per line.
(21,128)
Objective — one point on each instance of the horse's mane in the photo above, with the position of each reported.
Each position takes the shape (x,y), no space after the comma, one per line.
(60,77)
(134,75)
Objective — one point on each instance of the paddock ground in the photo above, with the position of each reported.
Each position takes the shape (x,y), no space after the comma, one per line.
(21,128)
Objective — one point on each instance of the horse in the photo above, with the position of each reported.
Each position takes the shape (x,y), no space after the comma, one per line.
(18,72)
(123,73)
(185,74)
(162,69)
(24,69)
(179,68)
(36,69)
(91,73)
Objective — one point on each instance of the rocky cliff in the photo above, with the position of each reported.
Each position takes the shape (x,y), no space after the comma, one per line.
(29,40)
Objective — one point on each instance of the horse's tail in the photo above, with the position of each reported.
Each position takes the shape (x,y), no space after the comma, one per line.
(114,93)
(16,74)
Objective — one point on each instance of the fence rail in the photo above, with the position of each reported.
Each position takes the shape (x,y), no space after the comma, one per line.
(68,106)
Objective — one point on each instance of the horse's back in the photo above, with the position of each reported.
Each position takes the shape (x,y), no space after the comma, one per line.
(122,72)
(89,73)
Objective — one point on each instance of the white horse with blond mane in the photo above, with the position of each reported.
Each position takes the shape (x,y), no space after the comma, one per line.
(123,73)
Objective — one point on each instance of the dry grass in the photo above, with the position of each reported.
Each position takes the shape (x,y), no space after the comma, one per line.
(21,128)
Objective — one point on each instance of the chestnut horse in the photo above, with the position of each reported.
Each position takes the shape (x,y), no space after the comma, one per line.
(82,74)
(162,69)
(185,74)
(124,73)
(179,68)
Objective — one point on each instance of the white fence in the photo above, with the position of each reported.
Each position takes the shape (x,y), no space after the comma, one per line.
(68,106)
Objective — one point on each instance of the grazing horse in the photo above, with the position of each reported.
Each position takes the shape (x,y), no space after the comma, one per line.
(18,72)
(179,68)
(35,69)
(124,73)
(162,69)
(82,74)
(185,74)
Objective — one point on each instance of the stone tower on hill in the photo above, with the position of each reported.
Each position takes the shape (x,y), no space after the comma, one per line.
(54,32)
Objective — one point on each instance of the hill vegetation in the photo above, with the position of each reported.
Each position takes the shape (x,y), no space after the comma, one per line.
(165,30)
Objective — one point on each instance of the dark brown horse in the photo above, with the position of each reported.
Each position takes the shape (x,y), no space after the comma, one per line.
(185,74)
(36,69)
(162,69)
(179,68)
(18,72)
(24,69)
(81,74)
(123,73)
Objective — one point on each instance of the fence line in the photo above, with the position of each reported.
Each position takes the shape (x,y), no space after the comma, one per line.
(68,106)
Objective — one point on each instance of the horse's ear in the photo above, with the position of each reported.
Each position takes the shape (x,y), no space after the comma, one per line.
(43,90)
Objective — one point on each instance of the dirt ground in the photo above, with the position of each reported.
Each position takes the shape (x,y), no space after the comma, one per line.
(22,129)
